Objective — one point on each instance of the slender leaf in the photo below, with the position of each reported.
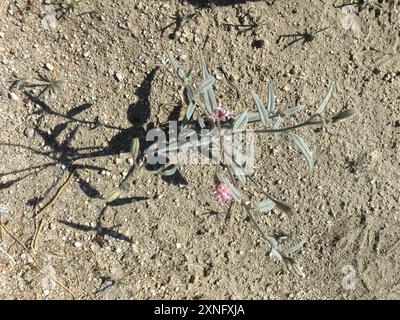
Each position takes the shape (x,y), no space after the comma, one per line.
(296,247)
(274,248)
(292,110)
(113,194)
(325,101)
(271,99)
(303,148)
(277,124)
(253,116)
(241,121)
(208,94)
(135,146)
(206,84)
(201,123)
(176,67)
(261,109)
(189,112)
(169,171)
(265,205)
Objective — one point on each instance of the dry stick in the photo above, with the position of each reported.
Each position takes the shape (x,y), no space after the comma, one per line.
(48,205)
(38,229)
(11,234)
(64,287)
(57,194)
(8,256)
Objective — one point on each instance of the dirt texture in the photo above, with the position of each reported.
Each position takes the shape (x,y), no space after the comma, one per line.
(161,239)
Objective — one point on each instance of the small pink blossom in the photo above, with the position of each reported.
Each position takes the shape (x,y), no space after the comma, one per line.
(222,193)
(221,114)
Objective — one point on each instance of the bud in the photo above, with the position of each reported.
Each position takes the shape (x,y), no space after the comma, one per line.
(113,195)
(285,207)
(135,145)
(342,115)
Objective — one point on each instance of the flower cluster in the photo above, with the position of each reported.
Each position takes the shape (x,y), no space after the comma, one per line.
(222,193)
(221,114)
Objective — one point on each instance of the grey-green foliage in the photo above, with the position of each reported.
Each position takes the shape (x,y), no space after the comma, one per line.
(265,114)
(190,91)
(270,116)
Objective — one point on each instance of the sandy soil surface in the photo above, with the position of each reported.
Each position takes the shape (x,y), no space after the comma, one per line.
(159,240)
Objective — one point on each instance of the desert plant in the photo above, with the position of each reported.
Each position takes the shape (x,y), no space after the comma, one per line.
(67,8)
(360,4)
(255,25)
(49,85)
(218,127)
(307,36)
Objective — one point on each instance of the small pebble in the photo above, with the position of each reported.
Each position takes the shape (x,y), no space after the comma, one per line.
(27,276)
(119,77)
(77,244)
(29,132)
(13,96)
(49,66)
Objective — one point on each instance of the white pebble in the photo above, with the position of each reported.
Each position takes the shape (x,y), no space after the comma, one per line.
(119,76)
(77,244)
(49,66)
(13,96)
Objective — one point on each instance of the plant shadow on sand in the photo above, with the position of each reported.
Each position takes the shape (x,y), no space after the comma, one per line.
(61,153)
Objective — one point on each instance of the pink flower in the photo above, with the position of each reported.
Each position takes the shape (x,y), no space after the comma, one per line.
(222,193)
(221,114)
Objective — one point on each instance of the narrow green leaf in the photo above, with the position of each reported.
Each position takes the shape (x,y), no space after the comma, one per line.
(201,123)
(253,116)
(296,247)
(169,171)
(180,73)
(261,109)
(241,121)
(285,207)
(303,148)
(271,99)
(342,115)
(206,84)
(325,101)
(113,194)
(135,146)
(208,95)
(189,113)
(292,110)
(265,205)
(274,248)
(277,123)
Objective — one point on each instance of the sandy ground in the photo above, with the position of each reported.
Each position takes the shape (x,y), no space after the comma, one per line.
(159,240)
